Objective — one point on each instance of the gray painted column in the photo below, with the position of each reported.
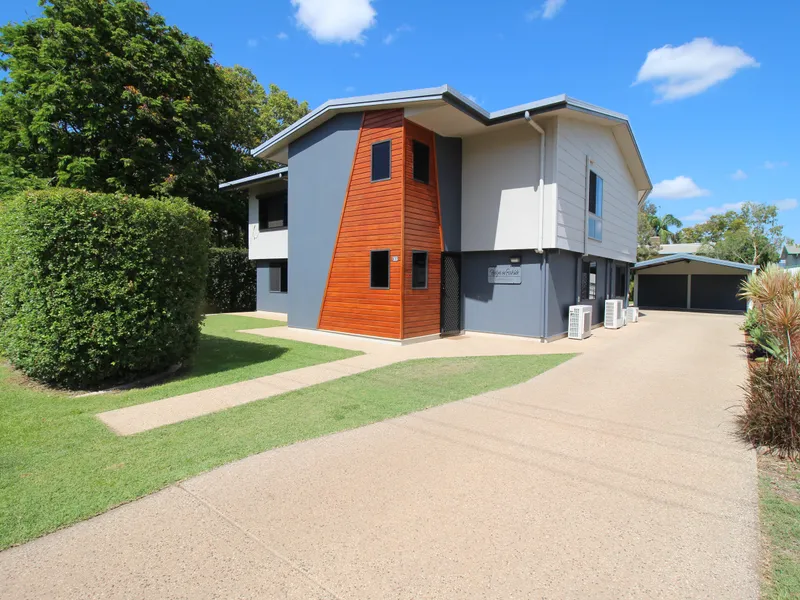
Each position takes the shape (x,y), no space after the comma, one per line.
(689,291)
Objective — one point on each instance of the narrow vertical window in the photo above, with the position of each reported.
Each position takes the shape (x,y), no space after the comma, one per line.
(588,281)
(595,206)
(379,269)
(419,270)
(421,157)
(382,161)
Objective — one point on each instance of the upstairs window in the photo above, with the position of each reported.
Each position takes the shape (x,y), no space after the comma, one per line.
(595,206)
(419,270)
(273,211)
(382,161)
(421,154)
(379,269)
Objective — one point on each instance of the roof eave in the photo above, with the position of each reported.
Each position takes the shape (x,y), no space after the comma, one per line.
(254,179)
(680,257)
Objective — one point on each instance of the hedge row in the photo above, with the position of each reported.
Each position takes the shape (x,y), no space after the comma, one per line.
(231,281)
(98,288)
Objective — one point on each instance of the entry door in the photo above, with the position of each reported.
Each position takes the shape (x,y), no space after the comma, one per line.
(451,293)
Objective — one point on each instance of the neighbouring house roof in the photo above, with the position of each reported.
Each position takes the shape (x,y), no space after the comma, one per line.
(679,249)
(253,179)
(791,249)
(473,118)
(664,260)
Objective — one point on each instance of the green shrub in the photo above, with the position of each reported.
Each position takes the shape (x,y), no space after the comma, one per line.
(771,416)
(99,288)
(231,281)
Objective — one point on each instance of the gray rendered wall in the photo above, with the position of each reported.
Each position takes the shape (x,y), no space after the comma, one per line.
(266,300)
(319,166)
(448,164)
(502,308)
(562,282)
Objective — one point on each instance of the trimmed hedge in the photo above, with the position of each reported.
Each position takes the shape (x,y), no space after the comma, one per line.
(231,281)
(100,288)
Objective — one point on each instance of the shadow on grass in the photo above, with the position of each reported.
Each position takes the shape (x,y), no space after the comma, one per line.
(216,354)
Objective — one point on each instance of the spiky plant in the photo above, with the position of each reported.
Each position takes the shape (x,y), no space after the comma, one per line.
(771,416)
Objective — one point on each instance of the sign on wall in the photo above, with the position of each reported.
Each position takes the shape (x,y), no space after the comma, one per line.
(505,274)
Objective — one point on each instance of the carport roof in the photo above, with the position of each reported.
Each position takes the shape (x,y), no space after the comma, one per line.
(665,260)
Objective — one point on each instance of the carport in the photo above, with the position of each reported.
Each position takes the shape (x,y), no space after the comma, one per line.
(690,282)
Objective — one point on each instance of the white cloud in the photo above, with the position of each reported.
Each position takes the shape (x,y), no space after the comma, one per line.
(252,43)
(349,89)
(680,187)
(788,204)
(682,71)
(282,36)
(702,214)
(392,37)
(739,175)
(549,9)
(335,21)
(775,165)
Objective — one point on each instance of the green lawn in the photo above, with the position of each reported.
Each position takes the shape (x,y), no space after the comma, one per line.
(59,464)
(780,525)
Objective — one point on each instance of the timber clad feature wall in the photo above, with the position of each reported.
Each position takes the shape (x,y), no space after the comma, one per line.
(421,231)
(371,220)
(400,215)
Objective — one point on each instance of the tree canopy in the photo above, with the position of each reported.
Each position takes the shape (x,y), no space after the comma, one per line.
(651,226)
(105,95)
(751,235)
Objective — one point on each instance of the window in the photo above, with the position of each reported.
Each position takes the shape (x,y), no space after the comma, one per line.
(382,161)
(419,270)
(422,161)
(278,277)
(379,269)
(595,206)
(273,211)
(588,281)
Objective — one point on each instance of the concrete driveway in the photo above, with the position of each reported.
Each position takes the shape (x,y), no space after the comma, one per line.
(614,475)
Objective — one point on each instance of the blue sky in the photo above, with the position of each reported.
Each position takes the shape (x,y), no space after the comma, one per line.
(714,112)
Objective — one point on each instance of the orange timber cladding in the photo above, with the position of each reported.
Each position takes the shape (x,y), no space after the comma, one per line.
(400,215)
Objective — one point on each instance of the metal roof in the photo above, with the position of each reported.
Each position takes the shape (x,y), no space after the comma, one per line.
(456,99)
(791,249)
(663,260)
(257,178)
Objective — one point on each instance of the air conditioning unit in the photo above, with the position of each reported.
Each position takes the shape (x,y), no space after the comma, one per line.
(580,321)
(632,314)
(614,317)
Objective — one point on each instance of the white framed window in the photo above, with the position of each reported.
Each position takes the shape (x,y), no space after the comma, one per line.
(595,206)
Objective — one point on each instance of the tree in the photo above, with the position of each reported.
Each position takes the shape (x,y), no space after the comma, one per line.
(105,95)
(713,230)
(661,227)
(646,232)
(751,235)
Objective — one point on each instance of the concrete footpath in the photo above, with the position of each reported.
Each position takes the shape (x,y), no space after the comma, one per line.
(150,415)
(614,475)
